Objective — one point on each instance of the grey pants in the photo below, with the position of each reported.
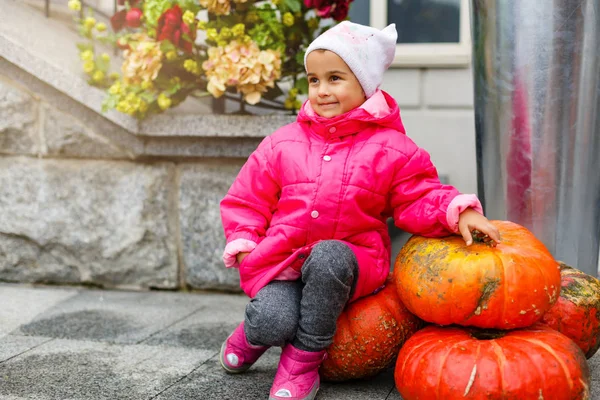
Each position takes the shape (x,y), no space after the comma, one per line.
(304,312)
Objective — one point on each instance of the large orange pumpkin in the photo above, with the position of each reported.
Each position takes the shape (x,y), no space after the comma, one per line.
(576,314)
(512,285)
(466,363)
(368,336)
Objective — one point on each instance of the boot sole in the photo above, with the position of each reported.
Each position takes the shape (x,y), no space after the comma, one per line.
(230,370)
(310,396)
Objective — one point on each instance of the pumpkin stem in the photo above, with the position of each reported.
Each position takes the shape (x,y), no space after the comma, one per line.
(487,334)
(563,265)
(481,237)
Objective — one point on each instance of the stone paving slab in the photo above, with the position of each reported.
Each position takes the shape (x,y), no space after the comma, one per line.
(20,304)
(70,369)
(208,326)
(113,316)
(81,344)
(12,346)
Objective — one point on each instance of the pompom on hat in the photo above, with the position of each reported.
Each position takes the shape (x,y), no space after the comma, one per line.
(367,51)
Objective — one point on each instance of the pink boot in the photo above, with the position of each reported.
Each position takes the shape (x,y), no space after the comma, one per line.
(237,354)
(297,376)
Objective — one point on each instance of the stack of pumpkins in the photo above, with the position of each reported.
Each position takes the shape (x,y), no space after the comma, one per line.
(477,322)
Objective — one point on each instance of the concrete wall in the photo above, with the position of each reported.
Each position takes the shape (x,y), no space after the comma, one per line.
(437,108)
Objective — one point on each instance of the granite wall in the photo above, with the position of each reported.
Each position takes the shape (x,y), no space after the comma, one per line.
(84,200)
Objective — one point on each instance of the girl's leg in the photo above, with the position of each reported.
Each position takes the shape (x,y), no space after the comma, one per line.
(271,320)
(328,276)
(272,316)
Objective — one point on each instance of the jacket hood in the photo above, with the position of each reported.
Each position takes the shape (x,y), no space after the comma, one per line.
(380,109)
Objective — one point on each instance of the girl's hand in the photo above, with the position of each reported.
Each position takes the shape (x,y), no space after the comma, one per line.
(470,220)
(241,256)
(236,250)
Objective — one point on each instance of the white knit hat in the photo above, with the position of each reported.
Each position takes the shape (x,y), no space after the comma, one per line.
(367,51)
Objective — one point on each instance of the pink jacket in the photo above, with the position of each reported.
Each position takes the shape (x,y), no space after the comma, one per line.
(338,178)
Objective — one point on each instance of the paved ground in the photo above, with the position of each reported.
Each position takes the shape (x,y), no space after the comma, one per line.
(58,343)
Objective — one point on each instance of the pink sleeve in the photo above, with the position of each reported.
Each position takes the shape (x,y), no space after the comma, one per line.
(459,204)
(248,206)
(418,199)
(235,247)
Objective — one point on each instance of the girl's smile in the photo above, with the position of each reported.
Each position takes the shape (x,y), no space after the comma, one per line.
(332,87)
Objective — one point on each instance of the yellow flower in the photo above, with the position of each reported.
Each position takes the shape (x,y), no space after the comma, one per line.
(313,23)
(115,88)
(114,75)
(142,62)
(143,107)
(171,55)
(276,2)
(147,85)
(211,34)
(288,19)
(89,22)
(192,66)
(87,55)
(123,106)
(238,30)
(89,66)
(225,33)
(101,27)
(244,66)
(217,7)
(75,5)
(288,104)
(105,57)
(188,17)
(293,93)
(201,25)
(164,102)
(98,76)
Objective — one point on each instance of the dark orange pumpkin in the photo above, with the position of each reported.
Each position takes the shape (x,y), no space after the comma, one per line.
(368,336)
(467,363)
(576,314)
(508,286)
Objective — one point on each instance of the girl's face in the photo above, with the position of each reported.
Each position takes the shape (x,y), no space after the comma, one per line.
(332,87)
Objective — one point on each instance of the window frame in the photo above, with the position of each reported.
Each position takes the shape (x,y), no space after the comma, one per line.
(435,55)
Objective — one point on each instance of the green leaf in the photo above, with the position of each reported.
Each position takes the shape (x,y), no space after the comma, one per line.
(300,57)
(109,102)
(302,85)
(294,5)
(85,46)
(147,97)
(166,46)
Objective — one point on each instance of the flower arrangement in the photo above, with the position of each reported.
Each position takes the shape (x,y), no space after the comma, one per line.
(248,50)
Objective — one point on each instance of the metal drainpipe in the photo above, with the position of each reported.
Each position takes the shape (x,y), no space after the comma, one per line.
(536,67)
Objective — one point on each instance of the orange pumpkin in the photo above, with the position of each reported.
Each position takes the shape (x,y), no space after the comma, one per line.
(511,285)
(368,336)
(466,363)
(576,314)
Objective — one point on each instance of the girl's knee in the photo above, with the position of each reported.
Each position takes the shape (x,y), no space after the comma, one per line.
(271,326)
(333,257)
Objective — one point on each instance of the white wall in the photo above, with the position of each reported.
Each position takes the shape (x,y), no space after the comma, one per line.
(437,109)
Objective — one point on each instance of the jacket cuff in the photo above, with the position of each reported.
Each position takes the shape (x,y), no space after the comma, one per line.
(459,204)
(235,247)
(243,235)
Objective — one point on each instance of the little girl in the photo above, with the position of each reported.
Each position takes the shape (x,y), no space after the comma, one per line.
(305,220)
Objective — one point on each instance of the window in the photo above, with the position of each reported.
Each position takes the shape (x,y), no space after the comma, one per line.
(431,33)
